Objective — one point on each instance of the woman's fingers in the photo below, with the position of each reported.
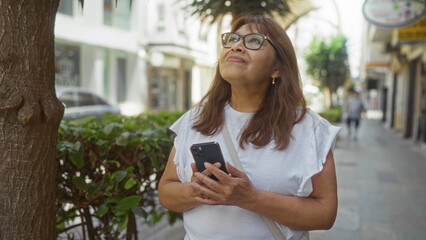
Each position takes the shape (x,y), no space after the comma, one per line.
(234,171)
(231,189)
(194,179)
(207,172)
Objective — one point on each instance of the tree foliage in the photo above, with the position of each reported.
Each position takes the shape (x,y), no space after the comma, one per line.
(211,10)
(327,61)
(108,171)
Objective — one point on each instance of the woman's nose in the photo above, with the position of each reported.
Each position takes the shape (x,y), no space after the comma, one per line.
(238,46)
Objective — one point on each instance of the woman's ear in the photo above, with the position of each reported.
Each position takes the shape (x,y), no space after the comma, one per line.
(275,74)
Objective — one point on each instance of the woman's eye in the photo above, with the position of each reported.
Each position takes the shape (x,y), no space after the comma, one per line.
(232,39)
(255,40)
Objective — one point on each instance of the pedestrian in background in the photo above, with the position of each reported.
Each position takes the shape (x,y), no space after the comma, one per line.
(286,151)
(354,109)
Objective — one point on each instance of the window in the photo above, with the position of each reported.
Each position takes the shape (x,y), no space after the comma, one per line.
(161,18)
(117,15)
(67,65)
(66,7)
(187,90)
(85,99)
(106,72)
(161,11)
(164,89)
(121,79)
(68,99)
(99,101)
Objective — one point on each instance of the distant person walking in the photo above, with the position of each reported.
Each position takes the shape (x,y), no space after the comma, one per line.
(354,108)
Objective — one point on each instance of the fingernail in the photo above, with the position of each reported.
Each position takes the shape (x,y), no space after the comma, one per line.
(206,164)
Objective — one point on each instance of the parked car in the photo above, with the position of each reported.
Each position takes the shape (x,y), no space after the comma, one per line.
(80,103)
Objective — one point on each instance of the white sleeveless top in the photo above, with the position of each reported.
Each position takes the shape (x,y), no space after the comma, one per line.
(285,172)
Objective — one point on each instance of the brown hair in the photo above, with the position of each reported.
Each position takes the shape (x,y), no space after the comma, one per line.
(283,106)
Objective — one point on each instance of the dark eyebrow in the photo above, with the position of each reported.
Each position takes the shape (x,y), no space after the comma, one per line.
(247,33)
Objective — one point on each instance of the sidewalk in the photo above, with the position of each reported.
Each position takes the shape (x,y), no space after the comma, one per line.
(381,187)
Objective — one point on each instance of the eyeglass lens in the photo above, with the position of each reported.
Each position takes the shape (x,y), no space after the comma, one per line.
(251,41)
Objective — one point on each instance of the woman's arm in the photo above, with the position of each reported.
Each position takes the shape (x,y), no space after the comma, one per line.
(318,211)
(175,195)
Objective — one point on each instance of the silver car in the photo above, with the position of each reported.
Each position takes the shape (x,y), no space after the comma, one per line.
(81,102)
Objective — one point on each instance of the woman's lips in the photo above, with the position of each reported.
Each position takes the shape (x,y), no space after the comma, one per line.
(236,59)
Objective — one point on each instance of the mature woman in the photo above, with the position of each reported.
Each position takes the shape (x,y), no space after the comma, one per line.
(285,149)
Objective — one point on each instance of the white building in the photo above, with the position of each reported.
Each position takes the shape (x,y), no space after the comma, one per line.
(148,56)
(394,67)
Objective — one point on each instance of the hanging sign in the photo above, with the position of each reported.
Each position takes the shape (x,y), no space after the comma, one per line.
(393,13)
(413,33)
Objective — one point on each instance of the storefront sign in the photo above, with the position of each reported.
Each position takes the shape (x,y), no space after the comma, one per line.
(393,13)
(413,33)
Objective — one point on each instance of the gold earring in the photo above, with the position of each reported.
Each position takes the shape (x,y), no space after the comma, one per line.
(273,81)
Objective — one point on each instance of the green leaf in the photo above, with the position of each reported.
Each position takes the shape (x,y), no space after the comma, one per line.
(102,209)
(154,162)
(94,188)
(76,158)
(118,176)
(147,148)
(129,183)
(157,217)
(77,146)
(138,210)
(123,223)
(140,166)
(130,169)
(118,212)
(109,127)
(79,183)
(60,226)
(128,203)
(112,199)
(117,163)
(123,140)
(67,144)
(148,132)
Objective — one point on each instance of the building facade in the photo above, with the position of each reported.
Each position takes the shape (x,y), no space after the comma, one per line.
(140,55)
(394,69)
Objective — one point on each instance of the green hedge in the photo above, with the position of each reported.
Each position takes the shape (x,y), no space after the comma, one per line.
(332,115)
(108,171)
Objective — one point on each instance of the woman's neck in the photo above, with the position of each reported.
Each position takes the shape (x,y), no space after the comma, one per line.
(246,102)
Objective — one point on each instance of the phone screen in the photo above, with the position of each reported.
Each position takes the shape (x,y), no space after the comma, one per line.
(208,152)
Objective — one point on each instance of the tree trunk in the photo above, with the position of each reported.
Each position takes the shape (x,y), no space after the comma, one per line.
(30,115)
(132,229)
(91,232)
(327,98)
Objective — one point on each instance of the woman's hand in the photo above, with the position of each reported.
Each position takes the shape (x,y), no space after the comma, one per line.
(207,172)
(234,189)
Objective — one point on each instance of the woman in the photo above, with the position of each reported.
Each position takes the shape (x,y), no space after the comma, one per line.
(285,149)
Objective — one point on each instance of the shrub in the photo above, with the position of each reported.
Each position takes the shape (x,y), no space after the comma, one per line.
(332,115)
(108,171)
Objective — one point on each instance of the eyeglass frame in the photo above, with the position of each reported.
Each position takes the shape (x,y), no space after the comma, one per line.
(244,42)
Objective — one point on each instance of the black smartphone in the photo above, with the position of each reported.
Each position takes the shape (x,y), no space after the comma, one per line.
(208,152)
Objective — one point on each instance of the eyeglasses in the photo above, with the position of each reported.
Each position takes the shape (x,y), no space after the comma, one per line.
(252,41)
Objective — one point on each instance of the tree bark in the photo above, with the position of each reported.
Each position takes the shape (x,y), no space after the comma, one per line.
(132,229)
(30,115)
(327,97)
